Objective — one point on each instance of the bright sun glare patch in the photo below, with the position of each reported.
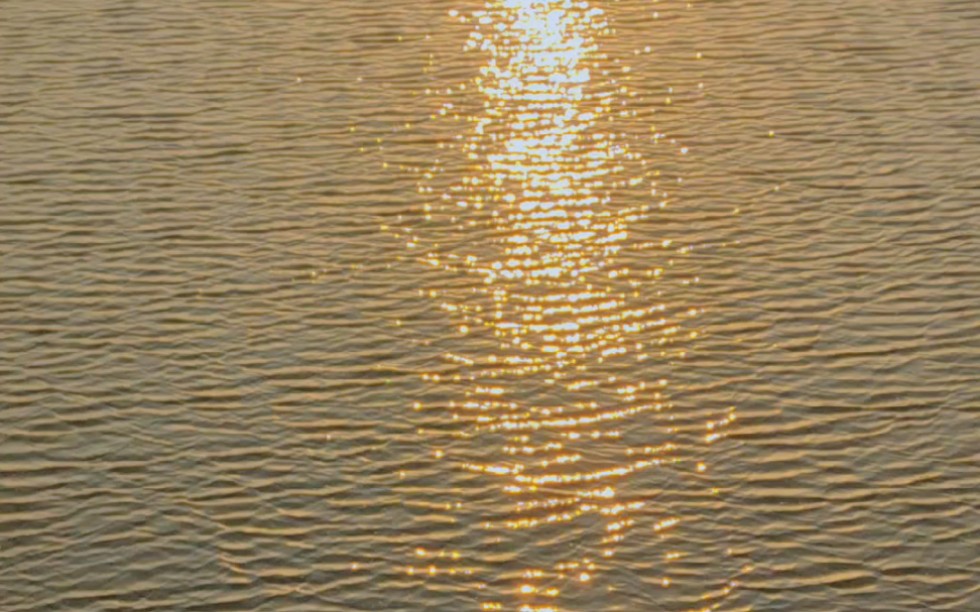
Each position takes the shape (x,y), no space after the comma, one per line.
(544,206)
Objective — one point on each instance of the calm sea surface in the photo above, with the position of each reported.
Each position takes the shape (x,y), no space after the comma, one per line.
(526,305)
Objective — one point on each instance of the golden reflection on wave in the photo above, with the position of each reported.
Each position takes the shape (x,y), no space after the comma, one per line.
(557,318)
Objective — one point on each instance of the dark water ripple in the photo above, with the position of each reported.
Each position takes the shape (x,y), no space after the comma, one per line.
(209,350)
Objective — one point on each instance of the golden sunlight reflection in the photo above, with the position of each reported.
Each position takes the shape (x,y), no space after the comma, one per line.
(549,193)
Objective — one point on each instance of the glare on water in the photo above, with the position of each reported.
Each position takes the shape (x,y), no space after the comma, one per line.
(549,194)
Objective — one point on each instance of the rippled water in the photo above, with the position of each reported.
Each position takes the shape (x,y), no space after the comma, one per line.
(463,305)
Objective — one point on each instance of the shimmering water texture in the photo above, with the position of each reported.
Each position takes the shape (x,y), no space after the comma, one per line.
(441,305)
(565,300)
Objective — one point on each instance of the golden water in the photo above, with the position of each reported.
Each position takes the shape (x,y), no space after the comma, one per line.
(595,305)
(568,329)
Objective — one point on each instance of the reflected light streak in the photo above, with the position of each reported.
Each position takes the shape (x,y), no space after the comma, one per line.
(549,197)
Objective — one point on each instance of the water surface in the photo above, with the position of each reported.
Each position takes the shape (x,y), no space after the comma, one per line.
(305,306)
